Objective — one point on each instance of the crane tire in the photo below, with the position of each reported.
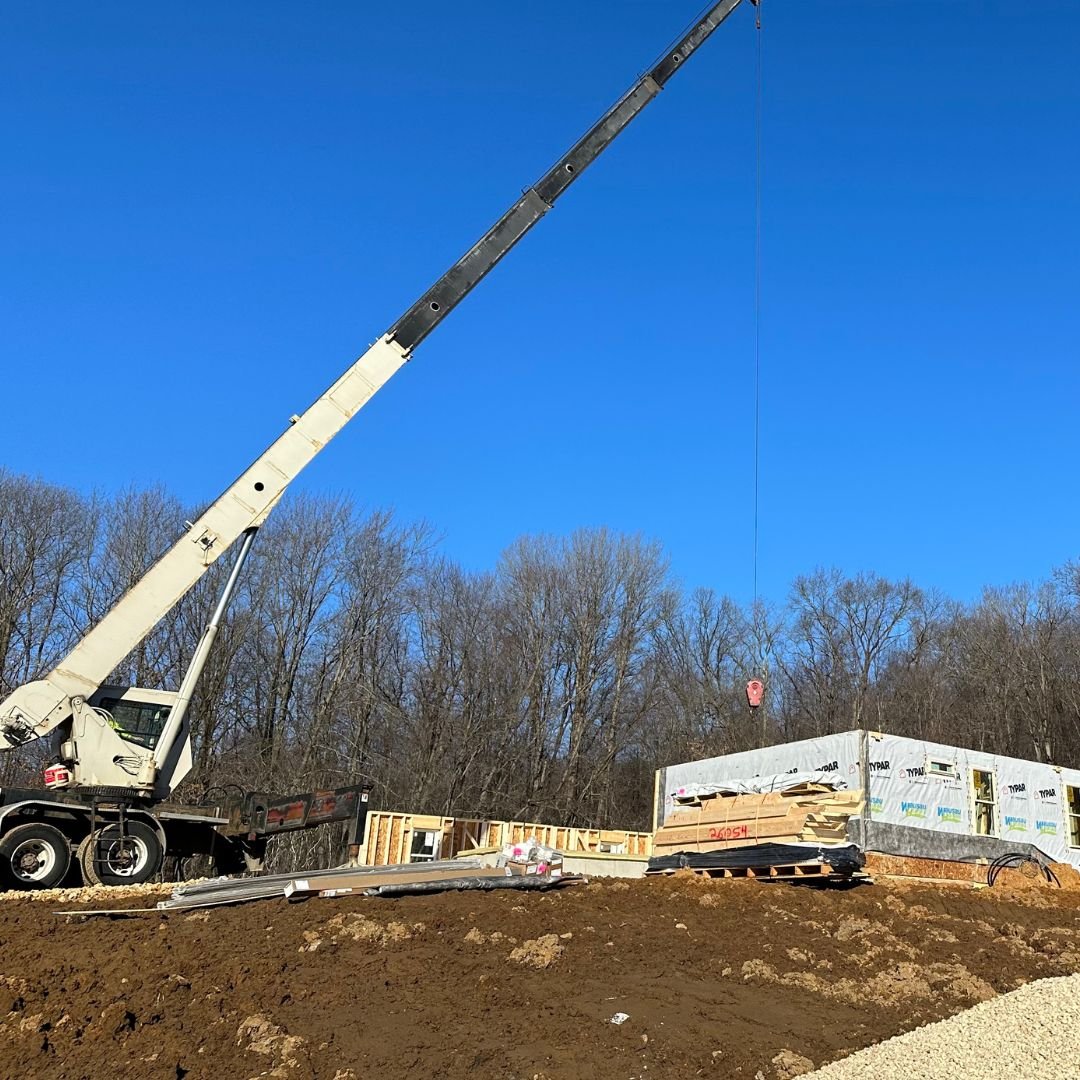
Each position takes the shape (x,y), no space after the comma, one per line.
(80,854)
(33,856)
(106,857)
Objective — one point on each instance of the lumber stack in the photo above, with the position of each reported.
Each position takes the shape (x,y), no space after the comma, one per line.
(808,813)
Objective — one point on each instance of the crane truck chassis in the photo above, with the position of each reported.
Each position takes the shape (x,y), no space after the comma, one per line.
(118,840)
(123,750)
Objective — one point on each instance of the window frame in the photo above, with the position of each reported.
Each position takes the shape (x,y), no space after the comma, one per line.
(434,836)
(146,730)
(992,802)
(950,771)
(1072,817)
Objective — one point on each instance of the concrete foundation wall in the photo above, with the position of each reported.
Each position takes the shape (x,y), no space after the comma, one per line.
(927,844)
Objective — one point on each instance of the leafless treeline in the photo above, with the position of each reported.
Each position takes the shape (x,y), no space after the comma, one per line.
(548,688)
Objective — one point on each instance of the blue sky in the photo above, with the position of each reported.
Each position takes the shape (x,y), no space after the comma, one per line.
(209,210)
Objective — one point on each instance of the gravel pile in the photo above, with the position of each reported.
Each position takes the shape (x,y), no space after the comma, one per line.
(1030,1034)
(104,895)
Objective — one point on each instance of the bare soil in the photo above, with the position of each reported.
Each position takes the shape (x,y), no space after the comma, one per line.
(717,979)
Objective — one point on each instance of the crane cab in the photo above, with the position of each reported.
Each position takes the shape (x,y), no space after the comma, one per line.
(136,714)
(111,738)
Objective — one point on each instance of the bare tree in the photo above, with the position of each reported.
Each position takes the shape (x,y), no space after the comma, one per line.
(844,632)
(550,688)
(45,534)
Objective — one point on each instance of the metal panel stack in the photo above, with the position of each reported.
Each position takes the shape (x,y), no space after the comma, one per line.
(239,890)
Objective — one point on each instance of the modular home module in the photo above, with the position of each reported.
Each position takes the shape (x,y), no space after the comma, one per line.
(945,791)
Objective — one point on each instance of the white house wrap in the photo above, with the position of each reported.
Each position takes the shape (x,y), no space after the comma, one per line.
(946,790)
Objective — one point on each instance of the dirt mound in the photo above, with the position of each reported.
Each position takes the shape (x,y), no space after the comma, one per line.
(656,978)
(1068,876)
(541,952)
(788,1065)
(355,926)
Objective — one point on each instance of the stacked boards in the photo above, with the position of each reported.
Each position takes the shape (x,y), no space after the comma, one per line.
(806,813)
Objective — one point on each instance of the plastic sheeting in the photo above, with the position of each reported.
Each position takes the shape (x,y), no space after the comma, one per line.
(844,859)
(759,785)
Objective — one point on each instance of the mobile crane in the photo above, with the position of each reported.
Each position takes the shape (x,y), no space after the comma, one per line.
(124,749)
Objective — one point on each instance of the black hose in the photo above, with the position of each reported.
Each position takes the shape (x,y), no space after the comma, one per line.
(1013,860)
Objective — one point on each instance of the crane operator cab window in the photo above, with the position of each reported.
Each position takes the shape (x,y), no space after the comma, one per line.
(139,722)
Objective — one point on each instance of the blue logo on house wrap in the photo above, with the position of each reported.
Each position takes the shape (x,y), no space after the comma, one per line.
(1015,824)
(913,809)
(1046,828)
(950,814)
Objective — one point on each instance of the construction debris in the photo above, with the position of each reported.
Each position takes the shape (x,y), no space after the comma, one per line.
(530,857)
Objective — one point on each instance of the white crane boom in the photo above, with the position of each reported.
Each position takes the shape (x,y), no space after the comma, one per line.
(101,754)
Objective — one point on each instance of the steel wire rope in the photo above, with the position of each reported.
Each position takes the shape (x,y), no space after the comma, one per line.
(758,118)
(755,612)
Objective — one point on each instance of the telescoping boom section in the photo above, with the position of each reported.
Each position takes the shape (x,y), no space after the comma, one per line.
(102,745)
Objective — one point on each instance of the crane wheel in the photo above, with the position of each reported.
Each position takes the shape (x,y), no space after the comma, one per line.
(34,856)
(112,857)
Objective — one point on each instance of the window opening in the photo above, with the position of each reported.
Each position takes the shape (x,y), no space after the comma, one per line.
(611,848)
(982,781)
(425,846)
(1072,798)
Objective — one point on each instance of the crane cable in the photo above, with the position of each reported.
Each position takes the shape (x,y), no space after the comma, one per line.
(755,688)
(758,101)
